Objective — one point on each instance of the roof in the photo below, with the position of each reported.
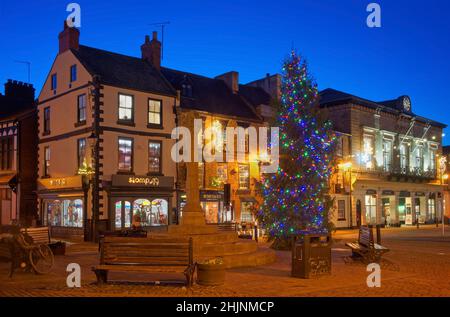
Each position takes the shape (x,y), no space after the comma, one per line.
(214,96)
(123,71)
(331,97)
(10,107)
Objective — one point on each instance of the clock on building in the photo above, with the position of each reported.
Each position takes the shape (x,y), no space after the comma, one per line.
(406,103)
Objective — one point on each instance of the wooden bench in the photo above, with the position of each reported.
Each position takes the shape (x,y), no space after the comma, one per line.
(39,235)
(365,248)
(145,256)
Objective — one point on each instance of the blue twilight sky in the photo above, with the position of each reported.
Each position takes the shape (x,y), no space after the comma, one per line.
(409,54)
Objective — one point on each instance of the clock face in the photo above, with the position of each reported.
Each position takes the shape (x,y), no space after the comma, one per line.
(406,104)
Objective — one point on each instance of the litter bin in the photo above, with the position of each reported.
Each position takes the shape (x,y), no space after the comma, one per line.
(311,255)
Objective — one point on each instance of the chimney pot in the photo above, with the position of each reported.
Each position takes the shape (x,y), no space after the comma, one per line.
(69,38)
(151,51)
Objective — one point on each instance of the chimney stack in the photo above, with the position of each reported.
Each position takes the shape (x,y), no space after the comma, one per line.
(69,38)
(231,79)
(19,90)
(151,51)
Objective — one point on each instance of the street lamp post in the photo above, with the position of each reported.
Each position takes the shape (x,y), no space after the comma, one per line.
(444,177)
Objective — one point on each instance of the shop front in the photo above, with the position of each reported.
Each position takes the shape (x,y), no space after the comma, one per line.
(420,207)
(140,201)
(370,200)
(388,216)
(8,199)
(405,212)
(62,205)
(212,202)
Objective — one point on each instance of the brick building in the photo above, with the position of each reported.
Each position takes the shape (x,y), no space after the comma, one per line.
(105,123)
(389,170)
(222,102)
(18,154)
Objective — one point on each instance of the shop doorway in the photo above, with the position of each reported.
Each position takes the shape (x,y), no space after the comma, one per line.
(371,209)
(386,211)
(405,210)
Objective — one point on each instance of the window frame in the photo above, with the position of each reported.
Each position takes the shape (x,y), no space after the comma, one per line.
(46,173)
(81,122)
(54,81)
(46,117)
(125,121)
(159,172)
(155,125)
(339,215)
(239,177)
(7,153)
(73,70)
(124,171)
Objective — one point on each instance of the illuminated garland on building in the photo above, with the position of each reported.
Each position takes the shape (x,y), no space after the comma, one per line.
(295,198)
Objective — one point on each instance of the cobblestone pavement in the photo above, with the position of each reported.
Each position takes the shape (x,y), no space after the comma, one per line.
(417,265)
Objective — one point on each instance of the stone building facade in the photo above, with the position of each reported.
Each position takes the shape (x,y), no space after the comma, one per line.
(389,170)
(105,123)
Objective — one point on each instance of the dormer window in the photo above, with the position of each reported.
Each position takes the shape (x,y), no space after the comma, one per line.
(186,90)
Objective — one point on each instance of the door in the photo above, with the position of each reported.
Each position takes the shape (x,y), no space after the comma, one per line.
(358,213)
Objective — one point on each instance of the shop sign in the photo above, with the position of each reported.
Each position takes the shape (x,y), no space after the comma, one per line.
(142,181)
(420,194)
(405,194)
(388,193)
(371,192)
(211,195)
(60,183)
(409,220)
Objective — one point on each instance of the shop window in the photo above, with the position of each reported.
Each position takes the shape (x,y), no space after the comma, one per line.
(212,210)
(126,108)
(7,152)
(222,173)
(154,157)
(247,212)
(431,209)
(122,214)
(244,176)
(371,209)
(125,155)
(341,209)
(47,120)
(154,112)
(65,213)
(73,73)
(150,213)
(81,150)
(81,108)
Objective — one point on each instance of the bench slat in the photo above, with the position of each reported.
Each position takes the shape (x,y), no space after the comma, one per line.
(148,269)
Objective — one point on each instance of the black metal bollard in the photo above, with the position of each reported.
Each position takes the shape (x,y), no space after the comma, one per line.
(378,234)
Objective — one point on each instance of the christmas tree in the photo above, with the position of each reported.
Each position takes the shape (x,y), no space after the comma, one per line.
(296,197)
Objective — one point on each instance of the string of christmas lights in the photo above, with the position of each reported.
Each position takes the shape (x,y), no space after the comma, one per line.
(295,198)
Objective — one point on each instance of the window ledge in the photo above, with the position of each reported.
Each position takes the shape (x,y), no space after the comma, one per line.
(126,122)
(155,126)
(155,174)
(125,173)
(80,123)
